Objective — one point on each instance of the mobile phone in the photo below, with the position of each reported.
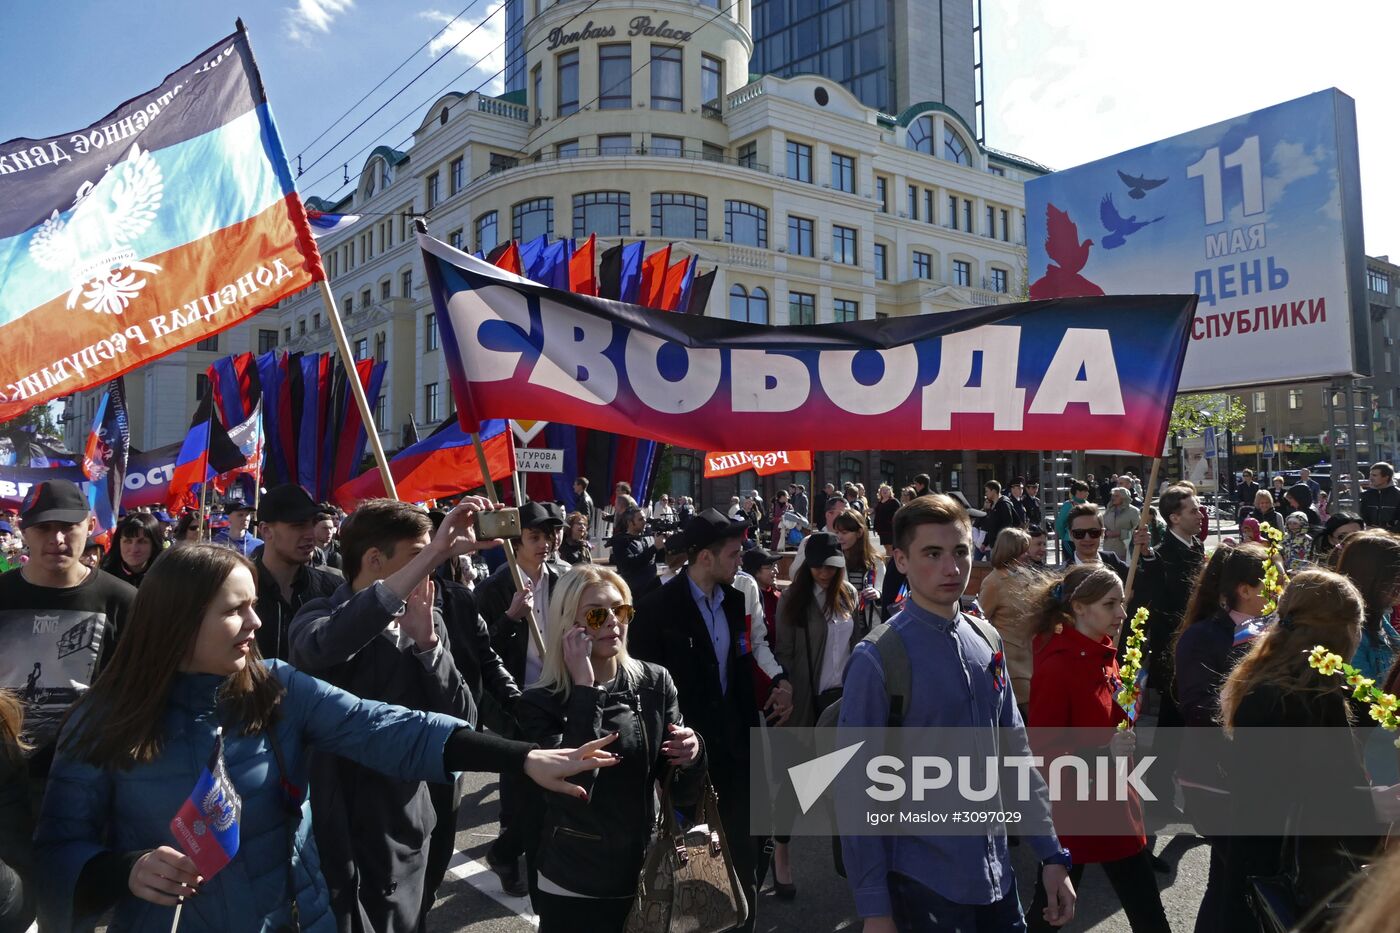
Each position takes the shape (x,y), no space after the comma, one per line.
(498,523)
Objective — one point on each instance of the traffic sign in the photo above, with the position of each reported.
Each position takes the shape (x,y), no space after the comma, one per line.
(1210,442)
(539,460)
(1267,443)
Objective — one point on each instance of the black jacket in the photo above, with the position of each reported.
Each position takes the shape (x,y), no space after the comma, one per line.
(492,688)
(372,830)
(1164,584)
(510,637)
(999,516)
(1317,792)
(1205,655)
(596,847)
(276,613)
(635,559)
(1245,493)
(1035,511)
(1380,508)
(669,630)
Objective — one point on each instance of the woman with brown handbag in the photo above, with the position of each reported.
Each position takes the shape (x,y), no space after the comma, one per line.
(590,851)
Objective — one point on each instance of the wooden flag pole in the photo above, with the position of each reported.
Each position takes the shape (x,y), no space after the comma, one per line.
(515,576)
(1147,497)
(342,344)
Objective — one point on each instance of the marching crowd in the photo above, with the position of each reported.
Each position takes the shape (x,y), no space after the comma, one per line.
(350,666)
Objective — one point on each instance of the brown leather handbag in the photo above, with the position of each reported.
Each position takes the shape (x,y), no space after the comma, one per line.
(688,882)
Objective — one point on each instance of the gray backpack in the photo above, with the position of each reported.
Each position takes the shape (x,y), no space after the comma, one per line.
(899,676)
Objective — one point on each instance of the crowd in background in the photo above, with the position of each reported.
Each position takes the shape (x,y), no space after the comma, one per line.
(355,662)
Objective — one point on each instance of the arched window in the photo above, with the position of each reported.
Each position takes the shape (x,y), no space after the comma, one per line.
(954,149)
(920,137)
(738,303)
(748,306)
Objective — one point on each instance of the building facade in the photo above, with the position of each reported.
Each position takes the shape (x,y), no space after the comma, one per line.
(1313,422)
(643,123)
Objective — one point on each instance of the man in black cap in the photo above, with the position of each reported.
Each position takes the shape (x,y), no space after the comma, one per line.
(286,579)
(694,627)
(505,610)
(59,619)
(237,535)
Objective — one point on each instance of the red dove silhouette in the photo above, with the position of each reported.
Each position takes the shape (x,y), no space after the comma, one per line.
(1067,256)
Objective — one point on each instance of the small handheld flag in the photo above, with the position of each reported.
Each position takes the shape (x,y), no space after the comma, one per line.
(206,828)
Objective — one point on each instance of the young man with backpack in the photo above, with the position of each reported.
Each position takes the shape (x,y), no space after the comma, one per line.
(939,882)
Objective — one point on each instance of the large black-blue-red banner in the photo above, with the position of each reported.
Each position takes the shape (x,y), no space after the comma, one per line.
(1069,374)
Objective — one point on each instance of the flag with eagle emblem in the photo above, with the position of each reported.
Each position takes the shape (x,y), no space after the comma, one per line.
(172,218)
(206,828)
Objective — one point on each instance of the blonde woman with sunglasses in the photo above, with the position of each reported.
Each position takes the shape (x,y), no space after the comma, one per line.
(590,851)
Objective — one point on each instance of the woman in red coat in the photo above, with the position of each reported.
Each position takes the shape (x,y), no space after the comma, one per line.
(1074,687)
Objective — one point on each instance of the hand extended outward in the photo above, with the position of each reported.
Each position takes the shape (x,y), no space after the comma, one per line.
(551,768)
(164,876)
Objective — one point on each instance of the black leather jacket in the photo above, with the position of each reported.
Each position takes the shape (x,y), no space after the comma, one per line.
(596,848)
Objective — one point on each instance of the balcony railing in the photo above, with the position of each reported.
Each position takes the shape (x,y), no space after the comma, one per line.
(622,152)
(745,94)
(503,108)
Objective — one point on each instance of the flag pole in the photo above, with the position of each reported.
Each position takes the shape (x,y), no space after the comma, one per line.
(515,576)
(1147,497)
(342,344)
(179,906)
(257,474)
(204,476)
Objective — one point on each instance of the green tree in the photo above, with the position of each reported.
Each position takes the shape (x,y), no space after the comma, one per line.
(1192,414)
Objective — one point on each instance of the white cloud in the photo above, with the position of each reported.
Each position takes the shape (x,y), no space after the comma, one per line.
(484,47)
(312,16)
(1069,83)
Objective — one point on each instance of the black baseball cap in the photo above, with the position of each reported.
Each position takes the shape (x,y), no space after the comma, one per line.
(57,500)
(708,527)
(287,503)
(237,505)
(539,515)
(824,550)
(758,557)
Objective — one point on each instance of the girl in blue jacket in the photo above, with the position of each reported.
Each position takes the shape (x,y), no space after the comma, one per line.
(136,743)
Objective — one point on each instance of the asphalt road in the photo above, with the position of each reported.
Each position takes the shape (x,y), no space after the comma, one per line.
(471,898)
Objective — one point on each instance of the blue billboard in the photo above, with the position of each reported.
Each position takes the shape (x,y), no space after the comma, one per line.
(1259,215)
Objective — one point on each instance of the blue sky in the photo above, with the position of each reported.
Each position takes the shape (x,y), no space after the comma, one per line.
(1068,81)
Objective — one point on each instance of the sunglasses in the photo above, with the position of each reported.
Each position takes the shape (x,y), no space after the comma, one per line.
(597,617)
(1079,534)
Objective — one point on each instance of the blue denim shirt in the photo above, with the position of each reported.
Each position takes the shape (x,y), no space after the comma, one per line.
(711,608)
(953,687)
(1373,657)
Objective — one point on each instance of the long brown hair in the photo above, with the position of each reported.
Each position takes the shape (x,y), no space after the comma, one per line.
(1319,607)
(1219,581)
(121,715)
(841,598)
(11,724)
(861,556)
(1371,560)
(1053,606)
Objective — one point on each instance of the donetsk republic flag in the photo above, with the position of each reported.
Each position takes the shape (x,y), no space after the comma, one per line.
(170,219)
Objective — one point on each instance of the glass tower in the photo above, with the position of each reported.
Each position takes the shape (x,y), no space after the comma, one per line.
(888,53)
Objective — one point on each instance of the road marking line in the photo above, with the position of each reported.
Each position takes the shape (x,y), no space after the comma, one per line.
(476,874)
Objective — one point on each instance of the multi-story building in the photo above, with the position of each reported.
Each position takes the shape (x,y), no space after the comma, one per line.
(1309,422)
(640,120)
